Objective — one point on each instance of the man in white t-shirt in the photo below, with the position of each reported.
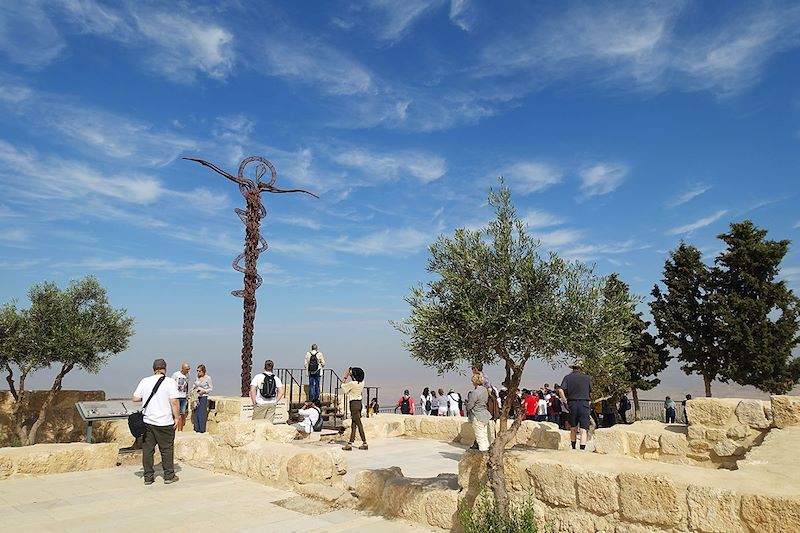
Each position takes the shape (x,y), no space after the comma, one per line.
(182,381)
(161,418)
(266,390)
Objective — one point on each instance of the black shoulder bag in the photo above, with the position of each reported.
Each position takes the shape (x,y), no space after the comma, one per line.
(136,420)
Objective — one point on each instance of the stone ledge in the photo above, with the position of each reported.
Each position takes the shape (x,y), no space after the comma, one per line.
(42,459)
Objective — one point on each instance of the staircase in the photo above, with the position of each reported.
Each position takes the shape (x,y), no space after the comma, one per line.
(333,403)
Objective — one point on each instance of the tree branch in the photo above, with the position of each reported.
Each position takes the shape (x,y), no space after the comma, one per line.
(10,379)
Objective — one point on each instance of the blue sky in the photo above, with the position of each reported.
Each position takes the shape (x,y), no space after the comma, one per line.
(621,129)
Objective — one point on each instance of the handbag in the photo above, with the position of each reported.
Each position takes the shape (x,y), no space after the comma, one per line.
(136,420)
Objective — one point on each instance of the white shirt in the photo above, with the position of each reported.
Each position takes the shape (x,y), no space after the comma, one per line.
(257,381)
(159,410)
(542,407)
(310,417)
(182,382)
(353,390)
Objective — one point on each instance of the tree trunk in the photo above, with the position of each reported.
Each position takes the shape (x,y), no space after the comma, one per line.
(707,383)
(18,413)
(10,380)
(497,471)
(28,436)
(637,411)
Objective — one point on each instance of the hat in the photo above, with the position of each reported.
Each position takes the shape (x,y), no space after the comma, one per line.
(577,364)
(405,392)
(158,364)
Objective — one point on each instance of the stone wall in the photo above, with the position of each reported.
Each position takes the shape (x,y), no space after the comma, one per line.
(720,432)
(62,422)
(265,453)
(41,459)
(456,429)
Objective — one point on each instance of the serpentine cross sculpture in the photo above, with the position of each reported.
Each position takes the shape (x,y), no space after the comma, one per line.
(254,244)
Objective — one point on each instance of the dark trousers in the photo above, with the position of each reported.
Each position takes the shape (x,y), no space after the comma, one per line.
(624,416)
(670,416)
(355,414)
(164,437)
(200,414)
(313,387)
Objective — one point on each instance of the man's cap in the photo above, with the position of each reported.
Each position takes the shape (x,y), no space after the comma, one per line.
(577,364)
(405,392)
(158,364)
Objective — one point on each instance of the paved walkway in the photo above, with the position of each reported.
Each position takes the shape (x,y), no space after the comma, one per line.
(116,500)
(415,457)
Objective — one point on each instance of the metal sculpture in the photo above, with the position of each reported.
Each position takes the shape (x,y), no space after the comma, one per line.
(254,244)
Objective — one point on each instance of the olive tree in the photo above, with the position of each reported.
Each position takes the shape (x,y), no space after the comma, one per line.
(495,298)
(74,327)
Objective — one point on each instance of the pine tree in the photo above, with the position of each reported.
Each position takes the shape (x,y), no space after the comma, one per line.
(684,316)
(758,315)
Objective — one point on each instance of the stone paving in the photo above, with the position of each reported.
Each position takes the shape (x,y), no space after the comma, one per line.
(116,500)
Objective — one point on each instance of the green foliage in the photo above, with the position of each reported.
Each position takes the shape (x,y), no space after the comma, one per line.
(75,327)
(757,316)
(647,357)
(496,298)
(484,516)
(733,321)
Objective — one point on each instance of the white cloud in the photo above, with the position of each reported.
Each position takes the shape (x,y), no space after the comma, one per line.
(311,62)
(390,242)
(396,18)
(646,46)
(797,224)
(527,177)
(382,167)
(14,236)
(702,223)
(130,263)
(535,219)
(6,212)
(692,193)
(27,35)
(184,45)
(790,273)
(558,238)
(587,252)
(462,14)
(601,178)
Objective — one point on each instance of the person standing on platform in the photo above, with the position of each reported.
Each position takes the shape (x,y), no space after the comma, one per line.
(314,364)
(266,390)
(353,390)
(575,391)
(161,416)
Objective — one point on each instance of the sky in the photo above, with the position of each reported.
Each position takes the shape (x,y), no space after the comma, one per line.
(621,128)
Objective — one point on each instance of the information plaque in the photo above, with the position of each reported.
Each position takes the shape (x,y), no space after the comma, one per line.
(108,410)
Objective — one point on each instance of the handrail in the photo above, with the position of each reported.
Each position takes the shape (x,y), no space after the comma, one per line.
(329,379)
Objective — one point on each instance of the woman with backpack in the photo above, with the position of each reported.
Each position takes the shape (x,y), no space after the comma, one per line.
(353,389)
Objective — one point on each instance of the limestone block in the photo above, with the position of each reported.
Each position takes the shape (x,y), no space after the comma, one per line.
(751,413)
(771,513)
(197,449)
(283,433)
(370,485)
(236,433)
(446,428)
(411,424)
(553,439)
(712,412)
(673,444)
(310,468)
(695,432)
(554,483)
(610,441)
(569,521)
(467,435)
(650,442)
(785,411)
(472,470)
(713,510)
(728,448)
(598,492)
(327,493)
(441,507)
(738,432)
(41,459)
(430,501)
(652,499)
(716,434)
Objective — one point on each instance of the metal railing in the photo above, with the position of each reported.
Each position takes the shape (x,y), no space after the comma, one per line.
(295,381)
(654,410)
